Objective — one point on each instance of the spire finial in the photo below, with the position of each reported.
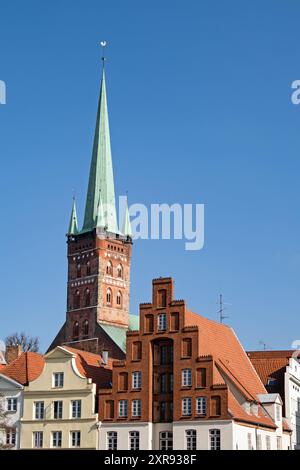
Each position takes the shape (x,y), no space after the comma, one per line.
(103,44)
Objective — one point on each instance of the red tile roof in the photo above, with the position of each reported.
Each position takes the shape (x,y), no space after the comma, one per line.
(25,368)
(91,366)
(220,341)
(240,414)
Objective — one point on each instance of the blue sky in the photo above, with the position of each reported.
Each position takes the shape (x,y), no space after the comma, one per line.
(200,112)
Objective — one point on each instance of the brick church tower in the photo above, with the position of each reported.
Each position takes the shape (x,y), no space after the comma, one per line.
(99,255)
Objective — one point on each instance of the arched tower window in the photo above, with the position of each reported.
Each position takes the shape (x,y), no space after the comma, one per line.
(77,299)
(88,268)
(108,296)
(75,330)
(78,270)
(120,271)
(87,298)
(86,328)
(109,268)
(119,299)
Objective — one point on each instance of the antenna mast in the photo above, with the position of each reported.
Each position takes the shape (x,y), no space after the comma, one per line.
(222,309)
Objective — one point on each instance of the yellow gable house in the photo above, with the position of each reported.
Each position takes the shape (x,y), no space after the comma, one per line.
(60,405)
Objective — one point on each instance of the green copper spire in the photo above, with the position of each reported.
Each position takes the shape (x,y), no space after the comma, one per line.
(126,222)
(101,172)
(73,225)
(101,219)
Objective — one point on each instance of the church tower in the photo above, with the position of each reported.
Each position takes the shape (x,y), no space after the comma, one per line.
(99,256)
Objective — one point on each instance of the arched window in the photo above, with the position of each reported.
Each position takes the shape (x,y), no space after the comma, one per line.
(88,268)
(120,271)
(86,328)
(87,298)
(108,296)
(77,299)
(109,268)
(78,270)
(75,330)
(119,298)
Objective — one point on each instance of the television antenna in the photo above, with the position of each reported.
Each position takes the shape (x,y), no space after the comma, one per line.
(222,308)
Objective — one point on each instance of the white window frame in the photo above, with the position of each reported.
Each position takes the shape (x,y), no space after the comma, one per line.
(268,442)
(134,440)
(186,406)
(75,436)
(123,408)
(112,440)
(191,439)
(186,377)
(249,441)
(37,439)
(215,439)
(162,322)
(136,379)
(75,409)
(11,404)
(11,437)
(136,408)
(201,406)
(56,438)
(166,440)
(59,411)
(58,380)
(39,410)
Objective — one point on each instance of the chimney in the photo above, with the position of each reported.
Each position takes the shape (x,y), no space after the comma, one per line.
(104,358)
(12,352)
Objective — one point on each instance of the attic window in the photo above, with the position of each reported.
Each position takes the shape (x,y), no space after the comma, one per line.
(271,382)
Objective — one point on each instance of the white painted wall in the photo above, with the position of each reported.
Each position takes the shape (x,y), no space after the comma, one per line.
(11,389)
(292,400)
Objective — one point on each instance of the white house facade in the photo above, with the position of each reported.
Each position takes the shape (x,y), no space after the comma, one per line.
(11,398)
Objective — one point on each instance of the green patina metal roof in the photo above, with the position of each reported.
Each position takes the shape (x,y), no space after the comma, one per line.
(101,219)
(118,334)
(126,229)
(73,225)
(101,177)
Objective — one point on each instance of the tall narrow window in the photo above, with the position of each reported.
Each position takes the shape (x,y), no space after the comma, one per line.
(57,409)
(88,268)
(134,440)
(186,406)
(87,297)
(165,440)
(39,410)
(58,380)
(136,379)
(123,408)
(75,330)
(77,299)
(56,438)
(78,270)
(120,271)
(136,408)
(201,406)
(186,377)
(11,437)
(76,408)
(37,439)
(75,438)
(112,440)
(162,298)
(186,347)
(109,268)
(201,377)
(162,322)
(215,439)
(191,439)
(85,328)
(108,296)
(11,404)
(215,406)
(119,299)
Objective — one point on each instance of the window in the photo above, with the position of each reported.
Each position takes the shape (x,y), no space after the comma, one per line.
(186,377)
(162,322)
(215,405)
(165,440)
(56,438)
(279,443)
(78,270)
(201,377)
(109,268)
(201,406)
(37,439)
(11,437)
(109,409)
(75,330)
(174,321)
(134,440)
(162,298)
(149,323)
(136,351)
(123,408)
(268,442)
(249,438)
(108,296)
(112,440)
(186,406)
(75,438)
(58,379)
(163,411)
(39,410)
(258,442)
(119,299)
(136,408)
(163,383)
(87,295)
(215,439)
(120,271)
(57,409)
(85,328)
(136,379)
(186,347)
(76,408)
(11,404)
(88,268)
(77,299)
(123,381)
(191,439)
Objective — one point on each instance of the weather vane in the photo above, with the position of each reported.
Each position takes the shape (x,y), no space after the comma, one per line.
(103,44)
